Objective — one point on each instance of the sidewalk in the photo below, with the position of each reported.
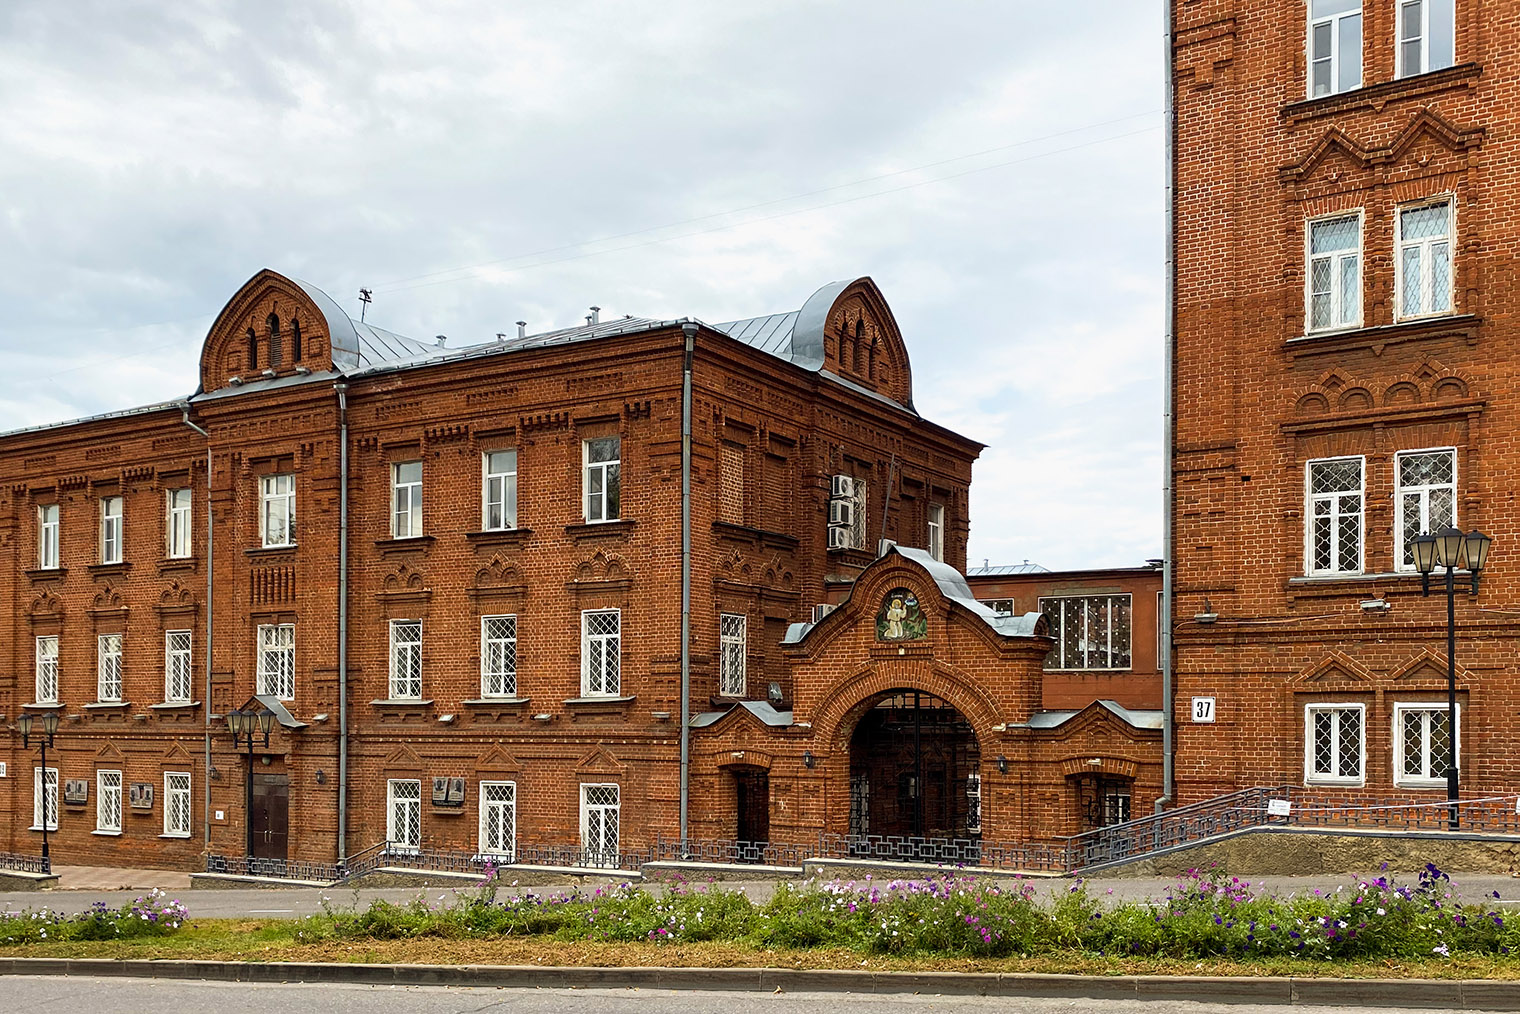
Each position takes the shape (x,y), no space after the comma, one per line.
(105,878)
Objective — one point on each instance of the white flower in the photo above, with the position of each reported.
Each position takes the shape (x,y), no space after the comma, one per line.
(1382,911)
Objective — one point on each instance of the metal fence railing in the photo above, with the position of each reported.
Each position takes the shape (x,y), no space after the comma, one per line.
(24,864)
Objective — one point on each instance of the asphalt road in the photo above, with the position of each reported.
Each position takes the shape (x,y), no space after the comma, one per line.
(133,996)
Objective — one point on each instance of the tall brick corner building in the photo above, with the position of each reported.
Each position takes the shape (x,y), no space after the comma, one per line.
(487,548)
(1345,378)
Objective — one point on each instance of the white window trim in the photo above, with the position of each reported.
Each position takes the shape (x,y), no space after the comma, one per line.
(1309,495)
(485,690)
(103,664)
(1450,200)
(398,650)
(1398,502)
(390,815)
(586,466)
(37,798)
(170,697)
(727,685)
(112,529)
(267,496)
(510,850)
(936,531)
(486,475)
(1402,780)
(47,660)
(1335,52)
(586,639)
(261,679)
(101,810)
(406,508)
(1040,606)
(169,793)
(1310,776)
(178,522)
(1400,71)
(587,807)
(48,534)
(1335,259)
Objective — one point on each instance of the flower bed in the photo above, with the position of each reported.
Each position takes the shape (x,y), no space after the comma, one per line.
(152,915)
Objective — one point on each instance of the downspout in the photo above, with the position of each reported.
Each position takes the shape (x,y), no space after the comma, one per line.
(342,390)
(689,331)
(210,560)
(1168,424)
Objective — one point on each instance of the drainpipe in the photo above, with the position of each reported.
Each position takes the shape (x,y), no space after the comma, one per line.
(206,780)
(342,390)
(689,331)
(1169,430)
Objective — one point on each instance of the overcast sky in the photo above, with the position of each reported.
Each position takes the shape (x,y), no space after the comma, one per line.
(996,167)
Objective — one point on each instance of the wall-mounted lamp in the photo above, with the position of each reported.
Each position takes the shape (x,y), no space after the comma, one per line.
(808,760)
(321,777)
(1002,763)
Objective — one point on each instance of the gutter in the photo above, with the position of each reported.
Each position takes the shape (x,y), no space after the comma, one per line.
(1169,430)
(341,389)
(210,563)
(689,332)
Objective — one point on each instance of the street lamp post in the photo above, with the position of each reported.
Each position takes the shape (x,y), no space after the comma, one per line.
(1450,549)
(242,725)
(45,740)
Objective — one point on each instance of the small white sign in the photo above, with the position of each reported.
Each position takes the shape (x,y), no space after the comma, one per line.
(2,769)
(1203,709)
(1279,808)
(221,815)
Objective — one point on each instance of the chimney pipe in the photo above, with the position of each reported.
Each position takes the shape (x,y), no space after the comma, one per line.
(596,315)
(500,337)
(522,329)
(441,340)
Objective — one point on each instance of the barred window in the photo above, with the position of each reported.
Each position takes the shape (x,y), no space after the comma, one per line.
(406,500)
(602,478)
(1091,631)
(1422,743)
(1335,272)
(1333,743)
(47,669)
(108,801)
(1335,46)
(1427,36)
(500,490)
(601,652)
(177,516)
(1426,497)
(1334,511)
(600,815)
(277,510)
(403,826)
(47,536)
(732,645)
(110,529)
(108,668)
(177,804)
(177,682)
(1424,276)
(406,659)
(498,819)
(277,661)
(974,803)
(44,799)
(498,656)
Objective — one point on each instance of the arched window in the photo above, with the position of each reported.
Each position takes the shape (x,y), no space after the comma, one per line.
(844,330)
(275,344)
(253,350)
(295,340)
(871,359)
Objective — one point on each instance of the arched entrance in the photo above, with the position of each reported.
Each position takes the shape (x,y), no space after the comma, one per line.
(915,770)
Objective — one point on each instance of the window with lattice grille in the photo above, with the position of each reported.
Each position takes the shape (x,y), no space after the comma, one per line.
(108,801)
(177,679)
(177,804)
(1334,511)
(600,814)
(403,826)
(1422,744)
(1334,743)
(1424,260)
(277,660)
(44,799)
(732,645)
(1335,273)
(601,652)
(731,483)
(406,659)
(108,668)
(1426,497)
(498,656)
(498,818)
(1091,631)
(47,669)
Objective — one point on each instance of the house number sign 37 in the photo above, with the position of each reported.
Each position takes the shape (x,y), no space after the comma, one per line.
(1203,709)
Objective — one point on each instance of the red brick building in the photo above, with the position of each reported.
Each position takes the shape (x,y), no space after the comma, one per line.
(456,579)
(1344,380)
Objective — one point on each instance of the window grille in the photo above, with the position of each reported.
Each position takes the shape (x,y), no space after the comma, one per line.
(1335,272)
(110,529)
(108,800)
(732,644)
(277,510)
(177,677)
(47,536)
(108,668)
(177,803)
(1334,749)
(1335,46)
(178,533)
(500,490)
(1424,280)
(406,659)
(974,803)
(406,500)
(602,478)
(601,652)
(404,814)
(498,818)
(1091,632)
(498,656)
(1423,747)
(277,661)
(45,798)
(1426,497)
(1427,36)
(1335,516)
(600,815)
(47,669)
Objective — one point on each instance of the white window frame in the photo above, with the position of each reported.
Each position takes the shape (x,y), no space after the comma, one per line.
(178,661)
(47,536)
(498,492)
(47,668)
(1339,320)
(50,801)
(1335,21)
(733,646)
(277,502)
(277,640)
(1400,491)
(1402,68)
(112,509)
(1425,246)
(394,801)
(597,684)
(107,802)
(604,849)
(1311,777)
(498,680)
(1424,780)
(406,501)
(507,849)
(406,658)
(178,804)
(108,668)
(594,504)
(936,526)
(177,521)
(1057,631)
(1310,498)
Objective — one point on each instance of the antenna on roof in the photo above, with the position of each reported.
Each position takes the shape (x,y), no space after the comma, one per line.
(364,297)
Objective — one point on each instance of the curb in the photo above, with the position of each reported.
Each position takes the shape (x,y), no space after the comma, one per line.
(1451,993)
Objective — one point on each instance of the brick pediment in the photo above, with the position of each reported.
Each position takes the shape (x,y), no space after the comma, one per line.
(1335,151)
(600,763)
(1336,667)
(1428,667)
(497,761)
(403,760)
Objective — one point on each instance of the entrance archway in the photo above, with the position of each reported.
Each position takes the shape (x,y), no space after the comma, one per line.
(915,770)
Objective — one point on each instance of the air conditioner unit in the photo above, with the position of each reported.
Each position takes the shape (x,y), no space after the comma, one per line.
(821,610)
(842,486)
(839,537)
(842,513)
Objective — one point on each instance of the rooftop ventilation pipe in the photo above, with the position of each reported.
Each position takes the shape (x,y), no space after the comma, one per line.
(596,315)
(522,329)
(442,340)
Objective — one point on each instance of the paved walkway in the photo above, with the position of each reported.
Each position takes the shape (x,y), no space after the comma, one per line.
(105,878)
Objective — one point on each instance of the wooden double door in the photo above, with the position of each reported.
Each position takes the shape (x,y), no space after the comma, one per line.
(270,816)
